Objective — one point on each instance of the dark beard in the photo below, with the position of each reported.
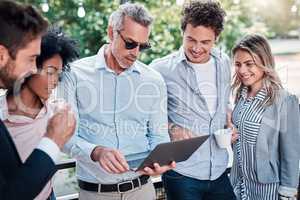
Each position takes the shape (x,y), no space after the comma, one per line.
(5,75)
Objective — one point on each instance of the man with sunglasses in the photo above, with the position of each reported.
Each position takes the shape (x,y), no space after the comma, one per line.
(121,106)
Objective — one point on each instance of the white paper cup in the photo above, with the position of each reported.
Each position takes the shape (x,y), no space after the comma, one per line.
(223,138)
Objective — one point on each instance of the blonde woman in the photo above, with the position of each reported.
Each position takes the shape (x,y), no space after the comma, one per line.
(266,153)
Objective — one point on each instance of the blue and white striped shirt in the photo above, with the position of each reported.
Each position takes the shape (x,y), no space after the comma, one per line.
(247,116)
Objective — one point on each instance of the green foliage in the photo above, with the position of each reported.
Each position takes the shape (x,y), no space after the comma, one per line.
(165,37)
(166,34)
(281,19)
(237,22)
(90,31)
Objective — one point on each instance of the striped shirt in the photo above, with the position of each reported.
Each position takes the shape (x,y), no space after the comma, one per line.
(247,116)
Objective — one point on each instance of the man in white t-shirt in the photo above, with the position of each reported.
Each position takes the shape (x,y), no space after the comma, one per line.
(198,84)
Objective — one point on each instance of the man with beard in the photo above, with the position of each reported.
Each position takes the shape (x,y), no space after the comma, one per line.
(121,110)
(20,39)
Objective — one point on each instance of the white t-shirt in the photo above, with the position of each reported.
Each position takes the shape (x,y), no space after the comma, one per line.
(207,82)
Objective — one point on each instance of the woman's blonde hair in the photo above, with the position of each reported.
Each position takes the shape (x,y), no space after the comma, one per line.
(257,46)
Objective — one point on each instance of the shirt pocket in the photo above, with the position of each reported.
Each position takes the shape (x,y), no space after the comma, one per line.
(250,131)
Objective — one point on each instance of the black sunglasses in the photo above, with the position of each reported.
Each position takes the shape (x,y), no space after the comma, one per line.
(133,44)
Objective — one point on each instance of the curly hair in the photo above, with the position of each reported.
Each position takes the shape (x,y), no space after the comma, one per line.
(56,42)
(203,13)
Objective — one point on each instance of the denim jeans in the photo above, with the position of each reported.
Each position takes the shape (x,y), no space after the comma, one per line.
(179,187)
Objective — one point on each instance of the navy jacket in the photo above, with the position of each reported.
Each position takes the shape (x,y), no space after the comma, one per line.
(22,180)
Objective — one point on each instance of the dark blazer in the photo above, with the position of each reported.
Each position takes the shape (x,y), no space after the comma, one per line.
(22,180)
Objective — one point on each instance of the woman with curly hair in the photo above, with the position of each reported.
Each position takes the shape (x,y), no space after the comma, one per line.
(266,154)
(28,107)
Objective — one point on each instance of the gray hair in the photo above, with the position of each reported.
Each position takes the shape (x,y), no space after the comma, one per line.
(136,12)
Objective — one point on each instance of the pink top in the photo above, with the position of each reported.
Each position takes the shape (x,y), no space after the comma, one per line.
(27,133)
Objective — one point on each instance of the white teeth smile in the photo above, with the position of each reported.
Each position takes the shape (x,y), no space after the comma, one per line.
(246,77)
(197,54)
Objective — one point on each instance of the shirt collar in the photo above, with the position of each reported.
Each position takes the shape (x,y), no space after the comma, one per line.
(244,92)
(181,57)
(21,119)
(261,95)
(100,62)
(3,107)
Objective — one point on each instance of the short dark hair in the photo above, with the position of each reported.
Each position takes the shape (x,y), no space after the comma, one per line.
(20,24)
(203,13)
(56,42)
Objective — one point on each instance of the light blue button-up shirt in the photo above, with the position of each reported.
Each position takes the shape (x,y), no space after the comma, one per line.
(127,112)
(187,107)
